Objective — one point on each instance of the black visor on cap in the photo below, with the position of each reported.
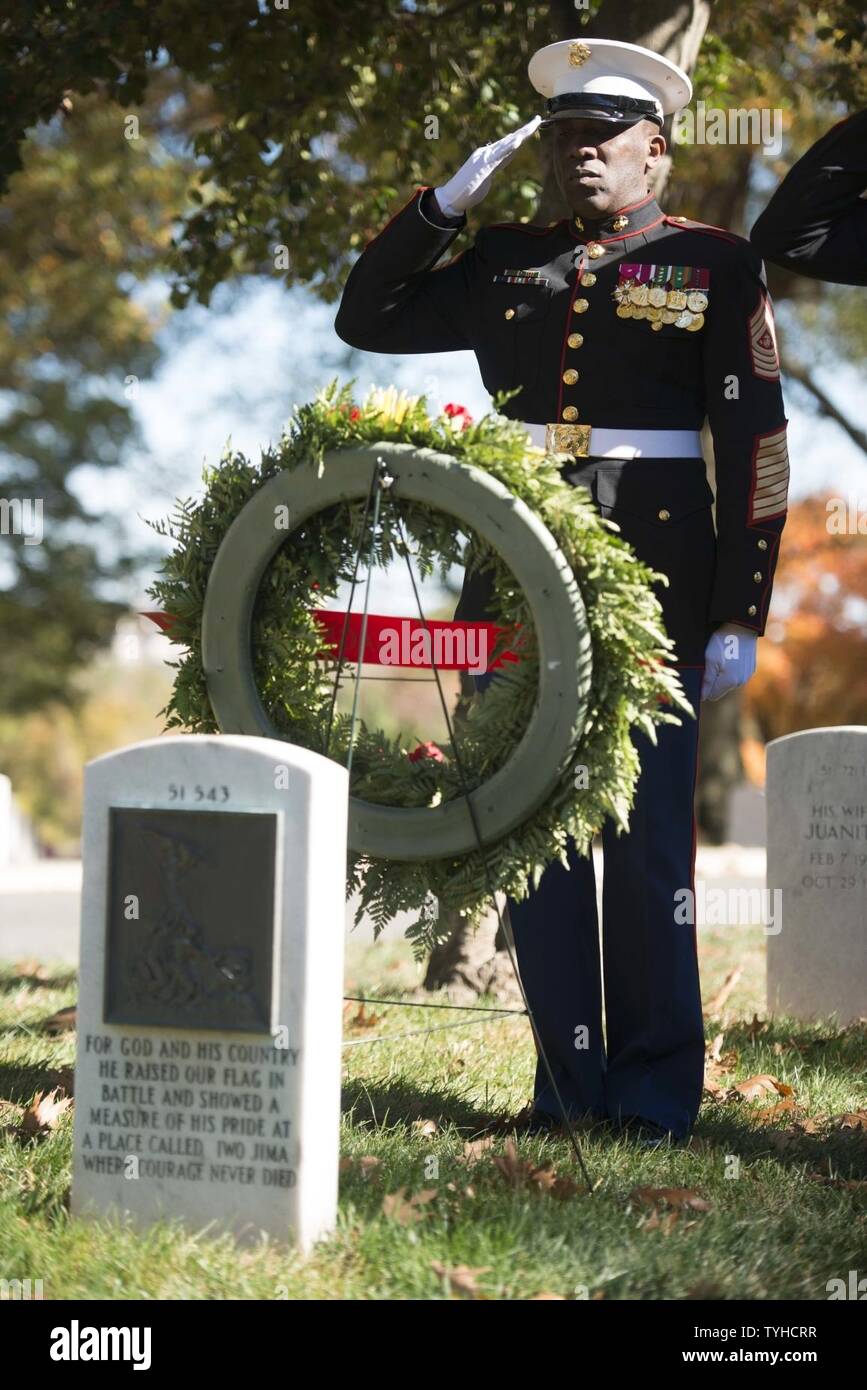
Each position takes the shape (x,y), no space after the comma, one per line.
(598,107)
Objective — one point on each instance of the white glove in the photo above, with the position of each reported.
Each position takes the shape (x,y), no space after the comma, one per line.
(730,660)
(472,181)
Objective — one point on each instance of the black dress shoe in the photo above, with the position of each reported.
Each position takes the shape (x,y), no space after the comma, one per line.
(646,1134)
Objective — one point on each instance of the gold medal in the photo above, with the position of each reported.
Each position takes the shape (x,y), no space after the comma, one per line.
(639,311)
(669,315)
(625,311)
(676,299)
(696,301)
(654,313)
(657,324)
(657,297)
(683,320)
(639,294)
(697,322)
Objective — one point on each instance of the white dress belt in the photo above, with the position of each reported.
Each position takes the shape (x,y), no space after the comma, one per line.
(626,444)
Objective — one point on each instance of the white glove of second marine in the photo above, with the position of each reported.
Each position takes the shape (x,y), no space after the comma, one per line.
(472,181)
(729,660)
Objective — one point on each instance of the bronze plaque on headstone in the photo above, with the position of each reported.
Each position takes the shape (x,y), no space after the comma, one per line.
(190,919)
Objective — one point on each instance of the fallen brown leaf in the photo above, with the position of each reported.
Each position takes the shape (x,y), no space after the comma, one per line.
(856,1119)
(31,970)
(43,1115)
(466,1191)
(547,1298)
(407,1211)
(425,1127)
(713,1089)
(772,1112)
(564,1188)
(474,1148)
(461,1279)
(656,1221)
(361,1019)
(61,1022)
(671,1196)
(756,1086)
(367,1165)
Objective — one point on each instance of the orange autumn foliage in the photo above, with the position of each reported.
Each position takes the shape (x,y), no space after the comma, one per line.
(812,663)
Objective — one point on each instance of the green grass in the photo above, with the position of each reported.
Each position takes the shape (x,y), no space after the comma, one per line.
(778,1230)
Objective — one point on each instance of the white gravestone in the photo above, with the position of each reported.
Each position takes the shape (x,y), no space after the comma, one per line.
(207,1083)
(817,855)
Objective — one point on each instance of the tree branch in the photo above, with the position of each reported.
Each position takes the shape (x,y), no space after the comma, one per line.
(798,372)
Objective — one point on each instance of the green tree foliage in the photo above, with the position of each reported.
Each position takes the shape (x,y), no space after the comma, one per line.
(330,112)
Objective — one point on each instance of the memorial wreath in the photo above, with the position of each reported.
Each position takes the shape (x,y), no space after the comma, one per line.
(296,654)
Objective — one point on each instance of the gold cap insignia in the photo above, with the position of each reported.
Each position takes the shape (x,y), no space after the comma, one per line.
(578,54)
(619,223)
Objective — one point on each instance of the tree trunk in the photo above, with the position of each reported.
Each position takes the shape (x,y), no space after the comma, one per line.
(470,963)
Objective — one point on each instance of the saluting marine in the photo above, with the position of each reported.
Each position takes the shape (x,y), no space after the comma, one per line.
(816,222)
(624,329)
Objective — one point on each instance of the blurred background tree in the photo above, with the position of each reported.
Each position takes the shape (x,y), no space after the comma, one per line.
(85,220)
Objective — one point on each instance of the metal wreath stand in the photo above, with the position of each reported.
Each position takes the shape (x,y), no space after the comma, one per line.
(402,471)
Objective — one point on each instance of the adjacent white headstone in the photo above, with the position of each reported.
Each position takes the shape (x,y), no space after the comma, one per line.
(207,1083)
(817,856)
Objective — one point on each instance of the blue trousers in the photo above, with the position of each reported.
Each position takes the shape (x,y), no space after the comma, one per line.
(650,1062)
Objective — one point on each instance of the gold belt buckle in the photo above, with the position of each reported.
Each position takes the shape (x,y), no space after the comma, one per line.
(568,439)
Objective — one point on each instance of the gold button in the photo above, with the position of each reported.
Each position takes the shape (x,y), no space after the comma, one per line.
(570,413)
(758,577)
(588,279)
(581,306)
(763,545)
(594,250)
(509,314)
(570,376)
(664,515)
(752,608)
(575,339)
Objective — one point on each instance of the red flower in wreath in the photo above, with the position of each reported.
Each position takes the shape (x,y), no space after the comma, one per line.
(427,750)
(458,412)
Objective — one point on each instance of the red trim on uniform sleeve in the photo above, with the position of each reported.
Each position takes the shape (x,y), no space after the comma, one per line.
(530,228)
(421,188)
(688,225)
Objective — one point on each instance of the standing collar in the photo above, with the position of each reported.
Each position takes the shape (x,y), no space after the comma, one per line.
(625,222)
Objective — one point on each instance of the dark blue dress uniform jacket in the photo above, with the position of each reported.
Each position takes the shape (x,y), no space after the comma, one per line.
(816,222)
(556,334)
